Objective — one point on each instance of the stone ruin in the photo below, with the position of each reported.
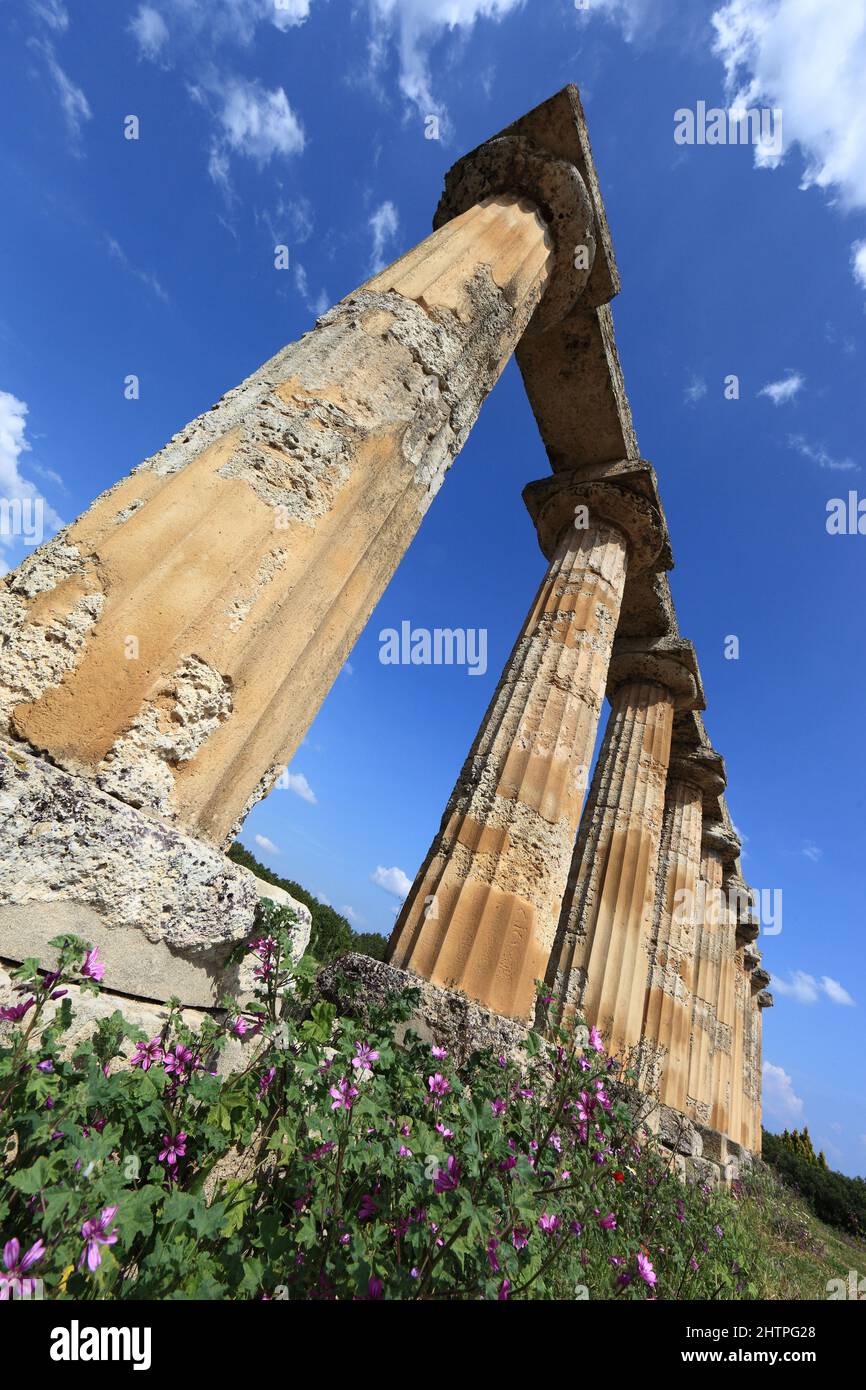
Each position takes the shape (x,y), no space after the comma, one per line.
(162,658)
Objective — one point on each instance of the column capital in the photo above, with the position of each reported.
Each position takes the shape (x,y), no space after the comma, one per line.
(765,999)
(624,495)
(667,661)
(700,766)
(760,979)
(722,840)
(515,165)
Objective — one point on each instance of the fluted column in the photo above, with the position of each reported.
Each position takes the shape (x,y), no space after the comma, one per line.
(694,775)
(763,1000)
(720,848)
(600,960)
(482,912)
(726,1097)
(758,979)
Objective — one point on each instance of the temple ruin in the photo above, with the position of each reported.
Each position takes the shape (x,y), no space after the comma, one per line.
(162,658)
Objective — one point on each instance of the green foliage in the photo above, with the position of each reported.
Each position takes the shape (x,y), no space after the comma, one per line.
(331,1162)
(835,1198)
(331,936)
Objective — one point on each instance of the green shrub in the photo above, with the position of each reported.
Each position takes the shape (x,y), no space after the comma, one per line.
(334,1164)
(834,1198)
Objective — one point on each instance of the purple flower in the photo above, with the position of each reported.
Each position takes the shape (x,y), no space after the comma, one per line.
(17,1265)
(344,1094)
(438,1085)
(365,1056)
(96,1233)
(368,1208)
(173,1148)
(446,1133)
(646,1271)
(440,1053)
(447,1178)
(491,1254)
(608,1223)
(178,1062)
(13,1013)
(92,968)
(520,1237)
(595,1041)
(498,1107)
(503,1061)
(147,1054)
(46,1065)
(403,1152)
(575,1228)
(547,1223)
(265,1080)
(374,1287)
(504,1290)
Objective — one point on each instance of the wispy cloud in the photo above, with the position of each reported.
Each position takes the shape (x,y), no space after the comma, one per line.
(146,277)
(296,782)
(73,102)
(150,32)
(782,391)
(810,851)
(353,916)
(392,880)
(383,223)
(818,454)
(264,843)
(805,989)
(316,305)
(780,1100)
(254,123)
(13,487)
(858,263)
(695,391)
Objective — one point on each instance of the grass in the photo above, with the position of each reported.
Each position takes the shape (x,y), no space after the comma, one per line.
(795,1255)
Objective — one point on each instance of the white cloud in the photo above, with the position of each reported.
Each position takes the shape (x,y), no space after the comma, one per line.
(53,12)
(73,102)
(836,992)
(227,21)
(258,123)
(818,454)
(146,277)
(392,880)
(696,390)
(150,31)
(14,489)
(805,989)
(806,57)
(296,782)
(812,852)
(264,843)
(858,263)
(383,224)
(353,916)
(784,390)
(414,27)
(320,897)
(802,988)
(318,305)
(779,1098)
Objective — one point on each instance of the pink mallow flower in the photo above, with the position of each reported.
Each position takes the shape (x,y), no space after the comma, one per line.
(96,1234)
(92,968)
(173,1148)
(595,1041)
(547,1223)
(608,1223)
(147,1054)
(13,1013)
(16,1265)
(344,1095)
(447,1178)
(646,1271)
(365,1056)
(438,1085)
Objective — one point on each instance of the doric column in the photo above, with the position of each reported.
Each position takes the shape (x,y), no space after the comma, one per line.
(168,651)
(714,935)
(599,963)
(695,776)
(756,1000)
(740,926)
(763,1000)
(482,912)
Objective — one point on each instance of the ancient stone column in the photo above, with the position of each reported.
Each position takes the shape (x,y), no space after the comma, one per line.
(757,999)
(738,925)
(482,912)
(600,959)
(695,774)
(169,649)
(714,938)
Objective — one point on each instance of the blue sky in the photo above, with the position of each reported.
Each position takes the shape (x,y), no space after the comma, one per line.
(304,125)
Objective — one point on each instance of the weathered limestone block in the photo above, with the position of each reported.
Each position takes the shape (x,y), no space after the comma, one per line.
(481,914)
(708,1088)
(694,775)
(174,644)
(165,908)
(600,961)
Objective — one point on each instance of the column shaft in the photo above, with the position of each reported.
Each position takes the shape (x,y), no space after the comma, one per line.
(174,644)
(481,913)
(600,959)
